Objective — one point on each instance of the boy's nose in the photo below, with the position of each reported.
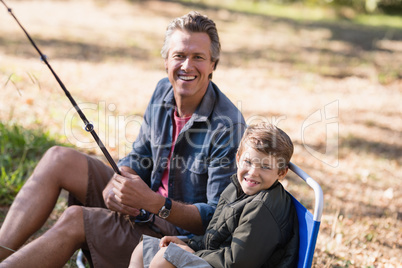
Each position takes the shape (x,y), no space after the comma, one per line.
(254,170)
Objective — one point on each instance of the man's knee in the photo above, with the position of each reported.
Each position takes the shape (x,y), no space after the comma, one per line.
(60,154)
(64,166)
(71,223)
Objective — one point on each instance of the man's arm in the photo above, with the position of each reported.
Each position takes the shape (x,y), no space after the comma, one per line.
(129,192)
(187,217)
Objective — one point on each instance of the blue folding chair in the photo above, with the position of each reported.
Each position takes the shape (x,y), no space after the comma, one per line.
(309,224)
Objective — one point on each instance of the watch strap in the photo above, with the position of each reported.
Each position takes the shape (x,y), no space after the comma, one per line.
(164,212)
(168,203)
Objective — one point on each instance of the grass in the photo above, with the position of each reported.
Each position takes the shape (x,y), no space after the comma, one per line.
(20,150)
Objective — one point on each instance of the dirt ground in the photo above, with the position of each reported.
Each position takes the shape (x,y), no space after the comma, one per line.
(334,87)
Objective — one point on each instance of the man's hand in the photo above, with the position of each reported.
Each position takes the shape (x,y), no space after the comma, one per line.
(127,193)
(115,204)
(130,191)
(112,202)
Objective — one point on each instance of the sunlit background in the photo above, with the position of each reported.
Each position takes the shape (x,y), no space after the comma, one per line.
(326,72)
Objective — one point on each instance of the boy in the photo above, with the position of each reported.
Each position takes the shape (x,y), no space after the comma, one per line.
(255,223)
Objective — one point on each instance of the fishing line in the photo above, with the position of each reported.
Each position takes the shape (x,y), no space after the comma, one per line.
(12,250)
(144,215)
(88,126)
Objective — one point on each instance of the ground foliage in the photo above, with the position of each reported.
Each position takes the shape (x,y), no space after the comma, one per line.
(20,150)
(334,85)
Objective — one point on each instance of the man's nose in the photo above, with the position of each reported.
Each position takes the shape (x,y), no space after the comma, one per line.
(186,65)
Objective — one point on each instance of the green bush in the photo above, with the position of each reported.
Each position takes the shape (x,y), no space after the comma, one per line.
(20,151)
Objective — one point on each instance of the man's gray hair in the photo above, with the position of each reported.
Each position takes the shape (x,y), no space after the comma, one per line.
(196,23)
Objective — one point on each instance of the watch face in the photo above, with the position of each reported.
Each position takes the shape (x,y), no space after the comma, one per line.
(164,213)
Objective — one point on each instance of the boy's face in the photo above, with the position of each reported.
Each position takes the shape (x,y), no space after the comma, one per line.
(256,171)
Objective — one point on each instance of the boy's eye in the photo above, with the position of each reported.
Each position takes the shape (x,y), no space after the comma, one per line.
(247,162)
(266,167)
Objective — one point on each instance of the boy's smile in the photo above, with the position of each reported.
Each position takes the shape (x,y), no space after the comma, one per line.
(256,171)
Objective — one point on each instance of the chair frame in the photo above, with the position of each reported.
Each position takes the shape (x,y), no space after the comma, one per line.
(309,224)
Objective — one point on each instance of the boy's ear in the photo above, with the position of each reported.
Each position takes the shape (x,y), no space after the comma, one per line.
(283,173)
(237,159)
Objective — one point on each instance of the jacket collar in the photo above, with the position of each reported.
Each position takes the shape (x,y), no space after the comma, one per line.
(235,181)
(203,110)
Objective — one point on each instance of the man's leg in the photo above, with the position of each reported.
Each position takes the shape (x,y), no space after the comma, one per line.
(60,168)
(56,246)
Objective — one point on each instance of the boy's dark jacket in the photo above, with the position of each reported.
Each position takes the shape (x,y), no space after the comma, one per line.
(251,231)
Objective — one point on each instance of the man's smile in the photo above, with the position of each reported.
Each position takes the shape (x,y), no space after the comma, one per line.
(186,77)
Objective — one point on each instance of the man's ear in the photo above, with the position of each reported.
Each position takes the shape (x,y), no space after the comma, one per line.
(166,65)
(216,64)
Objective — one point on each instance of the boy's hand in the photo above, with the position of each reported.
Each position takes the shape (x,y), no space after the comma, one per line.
(166,240)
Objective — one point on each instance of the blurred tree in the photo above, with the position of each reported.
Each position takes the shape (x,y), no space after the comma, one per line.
(390,6)
(371,6)
(361,6)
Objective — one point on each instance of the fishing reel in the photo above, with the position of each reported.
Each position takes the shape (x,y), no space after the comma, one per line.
(143,217)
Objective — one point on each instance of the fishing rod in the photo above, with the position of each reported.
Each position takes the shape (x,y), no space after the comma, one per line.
(88,126)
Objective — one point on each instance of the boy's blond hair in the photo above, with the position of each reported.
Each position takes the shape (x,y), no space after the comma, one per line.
(270,140)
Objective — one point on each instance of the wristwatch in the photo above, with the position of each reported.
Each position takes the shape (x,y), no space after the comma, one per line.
(164,212)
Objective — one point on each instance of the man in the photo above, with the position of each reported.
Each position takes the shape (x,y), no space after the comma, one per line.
(179,165)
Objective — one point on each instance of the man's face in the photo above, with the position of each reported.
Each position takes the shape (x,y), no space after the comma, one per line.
(189,64)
